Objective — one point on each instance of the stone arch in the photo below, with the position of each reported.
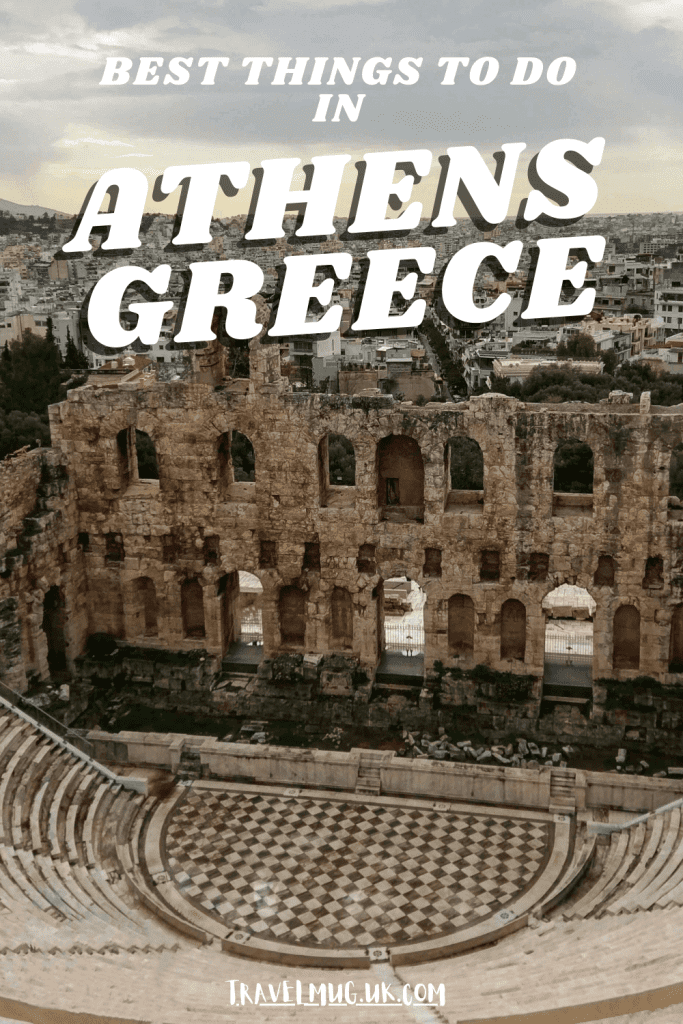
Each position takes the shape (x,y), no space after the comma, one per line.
(341,619)
(461,619)
(192,609)
(676,640)
(404,604)
(573,466)
(146,607)
(400,478)
(512,630)
(292,612)
(54,627)
(626,638)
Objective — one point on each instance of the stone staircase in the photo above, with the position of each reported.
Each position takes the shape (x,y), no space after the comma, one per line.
(369,772)
(562,791)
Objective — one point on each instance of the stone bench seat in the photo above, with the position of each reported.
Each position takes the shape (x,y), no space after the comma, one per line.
(19,756)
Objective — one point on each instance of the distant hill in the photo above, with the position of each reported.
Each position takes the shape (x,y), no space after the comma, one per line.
(28,211)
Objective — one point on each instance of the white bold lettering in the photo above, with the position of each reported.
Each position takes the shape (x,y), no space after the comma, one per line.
(105,303)
(381,284)
(200,200)
(276,194)
(125,217)
(458,280)
(116,71)
(379,188)
(203,297)
(466,165)
(551,273)
(298,289)
(579,188)
(178,66)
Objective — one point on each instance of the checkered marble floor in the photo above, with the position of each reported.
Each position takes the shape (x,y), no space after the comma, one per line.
(342,874)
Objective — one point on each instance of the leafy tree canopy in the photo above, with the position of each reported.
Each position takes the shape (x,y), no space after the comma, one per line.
(30,378)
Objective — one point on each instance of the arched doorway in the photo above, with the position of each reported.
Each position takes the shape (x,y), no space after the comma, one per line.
(241,597)
(403,603)
(568,655)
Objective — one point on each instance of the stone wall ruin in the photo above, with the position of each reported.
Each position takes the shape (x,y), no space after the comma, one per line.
(154,561)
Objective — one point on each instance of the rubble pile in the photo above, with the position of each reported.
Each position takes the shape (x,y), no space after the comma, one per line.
(521,754)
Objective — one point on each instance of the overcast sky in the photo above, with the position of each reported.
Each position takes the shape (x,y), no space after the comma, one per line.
(61,129)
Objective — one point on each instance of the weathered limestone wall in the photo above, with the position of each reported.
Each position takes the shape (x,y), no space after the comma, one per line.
(264,527)
(154,561)
(39,554)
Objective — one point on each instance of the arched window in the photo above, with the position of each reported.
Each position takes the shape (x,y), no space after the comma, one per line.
(676,641)
(465,464)
(604,574)
(626,638)
(292,607)
(400,479)
(137,456)
(243,460)
(513,631)
(123,452)
(676,472)
(461,624)
(192,607)
(341,461)
(148,466)
(336,471)
(341,618)
(573,467)
(236,462)
(146,599)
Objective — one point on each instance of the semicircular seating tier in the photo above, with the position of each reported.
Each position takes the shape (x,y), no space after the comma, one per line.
(155,900)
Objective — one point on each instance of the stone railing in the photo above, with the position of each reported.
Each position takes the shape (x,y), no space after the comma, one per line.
(137,785)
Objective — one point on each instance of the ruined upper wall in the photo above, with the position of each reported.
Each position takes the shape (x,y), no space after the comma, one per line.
(269,527)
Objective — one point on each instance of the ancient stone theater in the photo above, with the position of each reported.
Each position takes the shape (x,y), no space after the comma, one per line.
(174,878)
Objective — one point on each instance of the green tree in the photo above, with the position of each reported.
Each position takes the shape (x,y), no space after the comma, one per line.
(50,331)
(74,359)
(341,461)
(609,361)
(577,346)
(18,429)
(467,464)
(30,380)
(573,467)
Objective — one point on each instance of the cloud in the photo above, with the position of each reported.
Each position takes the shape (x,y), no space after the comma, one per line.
(95,142)
(54,114)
